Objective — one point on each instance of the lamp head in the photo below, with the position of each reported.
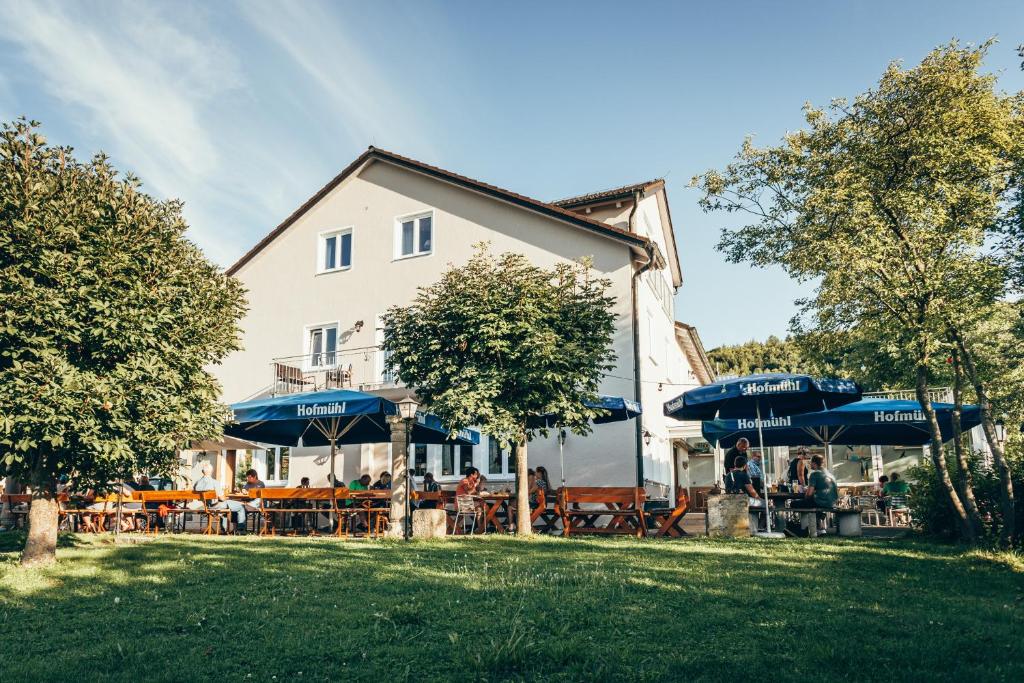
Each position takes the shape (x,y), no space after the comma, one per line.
(407,408)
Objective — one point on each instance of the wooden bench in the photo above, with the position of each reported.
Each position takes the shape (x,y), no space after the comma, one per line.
(165,500)
(14,502)
(623,504)
(667,520)
(288,502)
(809,517)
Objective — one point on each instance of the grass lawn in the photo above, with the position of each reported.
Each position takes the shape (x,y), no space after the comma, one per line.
(247,609)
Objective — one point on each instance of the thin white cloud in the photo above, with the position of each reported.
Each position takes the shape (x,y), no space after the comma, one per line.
(365,103)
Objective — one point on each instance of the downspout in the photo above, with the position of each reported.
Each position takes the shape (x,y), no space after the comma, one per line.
(636,345)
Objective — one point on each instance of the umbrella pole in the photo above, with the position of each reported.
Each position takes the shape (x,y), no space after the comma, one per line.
(764,468)
(334,481)
(561,453)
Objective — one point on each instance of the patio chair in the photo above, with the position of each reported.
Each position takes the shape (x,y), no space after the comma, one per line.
(899,511)
(868,510)
(466,507)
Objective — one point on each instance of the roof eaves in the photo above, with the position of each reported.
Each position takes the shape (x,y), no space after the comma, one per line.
(523,201)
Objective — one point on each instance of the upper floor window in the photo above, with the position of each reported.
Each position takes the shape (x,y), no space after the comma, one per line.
(323,345)
(414,235)
(335,250)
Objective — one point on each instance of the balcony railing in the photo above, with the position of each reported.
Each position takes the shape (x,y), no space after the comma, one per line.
(360,369)
(937,395)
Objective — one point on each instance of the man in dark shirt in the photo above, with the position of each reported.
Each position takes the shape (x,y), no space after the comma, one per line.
(737,451)
(738,481)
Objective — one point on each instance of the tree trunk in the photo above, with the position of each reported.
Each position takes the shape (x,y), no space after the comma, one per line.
(523,525)
(966,479)
(41,544)
(941,471)
(1006,498)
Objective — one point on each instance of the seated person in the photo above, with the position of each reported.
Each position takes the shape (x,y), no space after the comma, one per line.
(755,470)
(252,484)
(896,486)
(429,486)
(543,481)
(880,493)
(358,520)
(822,491)
(382,484)
(304,483)
(207,483)
(738,482)
(470,484)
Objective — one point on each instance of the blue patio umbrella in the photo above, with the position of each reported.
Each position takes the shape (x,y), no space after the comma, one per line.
(864,423)
(333,418)
(771,394)
(615,409)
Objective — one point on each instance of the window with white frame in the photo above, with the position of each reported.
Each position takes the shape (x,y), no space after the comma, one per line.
(275,463)
(414,235)
(419,460)
(499,460)
(334,251)
(322,345)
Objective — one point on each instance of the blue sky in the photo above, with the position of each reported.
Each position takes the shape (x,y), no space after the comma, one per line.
(244,110)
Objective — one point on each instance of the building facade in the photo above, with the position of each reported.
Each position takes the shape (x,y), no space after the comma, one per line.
(319,283)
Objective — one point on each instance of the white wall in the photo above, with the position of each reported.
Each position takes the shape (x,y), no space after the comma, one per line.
(286,295)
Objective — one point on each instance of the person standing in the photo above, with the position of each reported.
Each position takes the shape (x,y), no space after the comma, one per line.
(798,467)
(737,451)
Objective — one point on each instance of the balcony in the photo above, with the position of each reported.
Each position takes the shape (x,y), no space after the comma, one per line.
(361,369)
(936,394)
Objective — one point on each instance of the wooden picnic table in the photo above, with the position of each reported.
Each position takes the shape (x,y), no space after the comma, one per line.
(495,503)
(667,520)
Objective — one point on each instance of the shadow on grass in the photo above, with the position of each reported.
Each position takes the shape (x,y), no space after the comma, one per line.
(500,608)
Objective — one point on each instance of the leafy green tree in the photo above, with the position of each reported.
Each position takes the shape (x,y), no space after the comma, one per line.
(771,355)
(499,341)
(108,316)
(888,204)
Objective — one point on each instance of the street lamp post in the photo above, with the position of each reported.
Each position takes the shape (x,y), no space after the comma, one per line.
(407,408)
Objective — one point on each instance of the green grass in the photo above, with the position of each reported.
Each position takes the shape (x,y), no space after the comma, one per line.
(496,608)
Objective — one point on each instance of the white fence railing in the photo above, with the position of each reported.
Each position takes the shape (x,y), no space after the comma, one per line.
(360,369)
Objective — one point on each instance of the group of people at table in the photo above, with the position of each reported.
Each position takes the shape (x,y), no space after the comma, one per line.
(808,483)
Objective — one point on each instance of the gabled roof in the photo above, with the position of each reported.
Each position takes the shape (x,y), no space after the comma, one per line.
(693,349)
(609,195)
(375,154)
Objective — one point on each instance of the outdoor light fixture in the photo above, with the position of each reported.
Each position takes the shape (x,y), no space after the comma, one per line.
(407,411)
(1001,430)
(359,325)
(561,437)
(647,438)
(407,408)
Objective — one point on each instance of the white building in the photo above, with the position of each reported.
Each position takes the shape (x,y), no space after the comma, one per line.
(319,282)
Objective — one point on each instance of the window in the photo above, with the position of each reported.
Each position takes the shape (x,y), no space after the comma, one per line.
(323,346)
(447,460)
(334,251)
(465,458)
(275,463)
(419,460)
(414,235)
(497,458)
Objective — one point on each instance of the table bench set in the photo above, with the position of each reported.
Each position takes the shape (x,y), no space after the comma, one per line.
(342,512)
(847,521)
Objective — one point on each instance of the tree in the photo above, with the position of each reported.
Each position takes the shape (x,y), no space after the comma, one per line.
(771,355)
(888,203)
(108,316)
(498,342)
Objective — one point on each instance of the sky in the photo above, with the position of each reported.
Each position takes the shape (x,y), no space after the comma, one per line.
(245,109)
